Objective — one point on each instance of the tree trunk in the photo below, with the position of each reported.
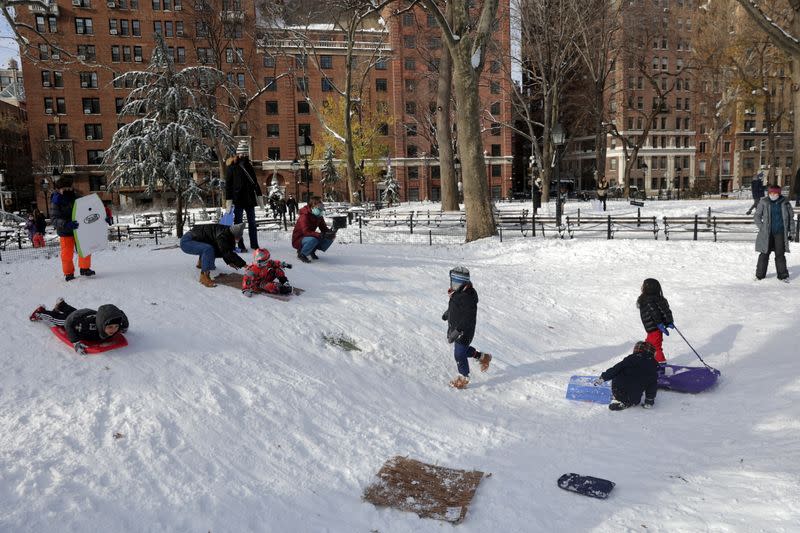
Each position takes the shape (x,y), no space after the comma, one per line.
(600,132)
(477,202)
(179,212)
(447,174)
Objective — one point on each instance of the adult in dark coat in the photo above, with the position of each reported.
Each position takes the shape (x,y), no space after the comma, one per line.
(537,194)
(775,222)
(210,241)
(82,325)
(243,192)
(757,190)
(311,233)
(634,375)
(291,207)
(61,203)
(797,188)
(602,191)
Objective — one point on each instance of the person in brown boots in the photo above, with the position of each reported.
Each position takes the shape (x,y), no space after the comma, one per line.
(210,241)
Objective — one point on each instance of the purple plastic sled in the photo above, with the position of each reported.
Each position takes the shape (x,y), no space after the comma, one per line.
(687,378)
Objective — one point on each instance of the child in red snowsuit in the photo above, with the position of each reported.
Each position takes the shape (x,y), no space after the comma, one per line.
(656,315)
(265,275)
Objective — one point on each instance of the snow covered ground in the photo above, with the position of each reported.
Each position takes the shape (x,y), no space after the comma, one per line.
(236,415)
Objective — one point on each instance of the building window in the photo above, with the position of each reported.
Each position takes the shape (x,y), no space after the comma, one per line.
(270,83)
(181,54)
(157,27)
(61,106)
(156,5)
(495,128)
(411,108)
(83,26)
(272,107)
(409,85)
(383,129)
(497,171)
(269,61)
(409,41)
(46,81)
(495,108)
(87,51)
(58,79)
(273,130)
(118,104)
(327,86)
(91,106)
(274,153)
(136,28)
(124,27)
(412,173)
(411,151)
(40,24)
(168,29)
(52,24)
(304,130)
(88,80)
(94,157)
(494,87)
(381,64)
(93,132)
(302,83)
(326,62)
(48,105)
(495,150)
(410,64)
(408,19)
(381,85)
(137,53)
(303,108)
(411,130)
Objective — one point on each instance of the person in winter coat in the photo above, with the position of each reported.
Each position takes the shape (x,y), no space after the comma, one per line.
(305,237)
(537,194)
(797,188)
(40,224)
(265,275)
(656,316)
(243,193)
(84,325)
(775,230)
(291,207)
(210,241)
(634,375)
(461,317)
(30,226)
(757,189)
(602,191)
(61,202)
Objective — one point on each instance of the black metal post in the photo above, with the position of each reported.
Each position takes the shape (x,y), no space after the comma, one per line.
(308,182)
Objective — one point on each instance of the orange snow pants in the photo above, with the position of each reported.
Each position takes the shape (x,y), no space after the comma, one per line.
(67,251)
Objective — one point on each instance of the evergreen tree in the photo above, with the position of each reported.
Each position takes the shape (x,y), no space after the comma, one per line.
(170,130)
(330,175)
(391,189)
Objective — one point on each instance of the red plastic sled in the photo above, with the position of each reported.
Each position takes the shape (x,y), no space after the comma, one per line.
(93,347)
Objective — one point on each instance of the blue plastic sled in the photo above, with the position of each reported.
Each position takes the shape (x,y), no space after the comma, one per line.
(586,485)
(227,218)
(580,388)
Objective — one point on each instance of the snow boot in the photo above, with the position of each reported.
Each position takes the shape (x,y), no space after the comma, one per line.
(87,272)
(206,280)
(484,359)
(617,405)
(785,280)
(460,382)
(303,258)
(313,256)
(648,404)
(69,277)
(59,301)
(198,263)
(35,315)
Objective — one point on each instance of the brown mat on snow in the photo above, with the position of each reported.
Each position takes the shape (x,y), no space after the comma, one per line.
(234,280)
(429,491)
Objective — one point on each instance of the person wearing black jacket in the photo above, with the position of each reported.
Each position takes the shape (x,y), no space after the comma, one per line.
(291,206)
(84,325)
(757,189)
(243,193)
(61,202)
(210,241)
(634,375)
(656,316)
(461,316)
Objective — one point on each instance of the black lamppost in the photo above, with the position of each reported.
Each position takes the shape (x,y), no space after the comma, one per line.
(457,168)
(45,185)
(305,147)
(295,168)
(362,179)
(557,136)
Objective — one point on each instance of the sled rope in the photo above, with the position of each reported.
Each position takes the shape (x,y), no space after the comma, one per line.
(695,351)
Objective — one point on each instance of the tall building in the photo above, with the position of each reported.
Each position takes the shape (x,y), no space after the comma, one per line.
(73,103)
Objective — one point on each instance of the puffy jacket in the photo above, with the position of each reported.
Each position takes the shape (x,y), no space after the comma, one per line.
(61,211)
(654,310)
(461,314)
(89,325)
(241,184)
(632,376)
(221,238)
(757,188)
(41,223)
(306,226)
(763,218)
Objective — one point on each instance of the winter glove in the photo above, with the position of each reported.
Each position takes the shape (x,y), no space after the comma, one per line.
(228,205)
(284,264)
(261,202)
(248,293)
(72,224)
(453,336)
(598,382)
(663,329)
(671,325)
(445,315)
(80,348)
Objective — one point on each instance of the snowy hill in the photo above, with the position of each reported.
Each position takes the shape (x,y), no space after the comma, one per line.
(236,415)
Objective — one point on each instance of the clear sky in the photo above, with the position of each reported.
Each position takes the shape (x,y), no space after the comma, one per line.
(8,47)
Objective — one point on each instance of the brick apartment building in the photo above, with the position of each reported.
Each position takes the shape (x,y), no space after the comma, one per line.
(73,104)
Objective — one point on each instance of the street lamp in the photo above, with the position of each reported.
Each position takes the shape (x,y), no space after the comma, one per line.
(305,147)
(295,168)
(557,137)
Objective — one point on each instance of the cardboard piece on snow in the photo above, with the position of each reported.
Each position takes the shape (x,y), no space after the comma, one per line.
(430,491)
(234,280)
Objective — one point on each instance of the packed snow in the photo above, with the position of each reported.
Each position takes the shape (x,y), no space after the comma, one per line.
(228,413)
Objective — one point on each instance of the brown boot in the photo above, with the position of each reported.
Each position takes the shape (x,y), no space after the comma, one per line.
(206,280)
(198,263)
(484,360)
(460,382)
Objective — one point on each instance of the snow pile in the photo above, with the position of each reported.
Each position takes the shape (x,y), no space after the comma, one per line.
(233,414)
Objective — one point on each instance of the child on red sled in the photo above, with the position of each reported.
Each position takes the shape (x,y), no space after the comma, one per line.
(265,275)
(83,325)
